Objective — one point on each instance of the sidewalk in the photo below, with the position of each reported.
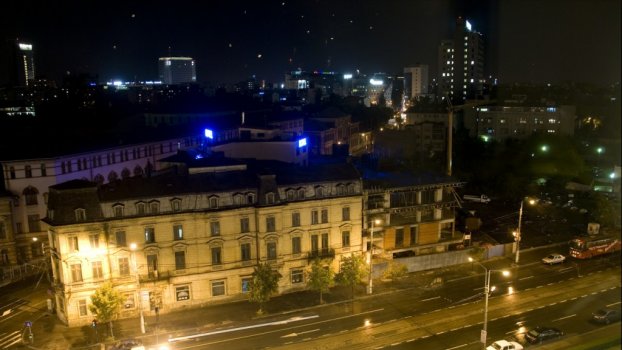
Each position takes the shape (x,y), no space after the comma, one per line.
(50,334)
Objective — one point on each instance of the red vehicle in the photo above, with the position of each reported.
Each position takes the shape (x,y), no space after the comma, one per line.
(587,247)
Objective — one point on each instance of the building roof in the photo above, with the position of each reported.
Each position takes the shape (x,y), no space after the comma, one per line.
(394,180)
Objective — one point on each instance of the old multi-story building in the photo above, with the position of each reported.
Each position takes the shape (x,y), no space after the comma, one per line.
(416,214)
(194,237)
(27,181)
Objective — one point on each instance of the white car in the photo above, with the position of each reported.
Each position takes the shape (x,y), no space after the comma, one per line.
(554,259)
(505,345)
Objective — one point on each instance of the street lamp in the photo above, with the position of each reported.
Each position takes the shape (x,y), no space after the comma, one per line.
(140,302)
(371,252)
(517,233)
(487,290)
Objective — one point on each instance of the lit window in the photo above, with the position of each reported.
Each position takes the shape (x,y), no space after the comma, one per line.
(297,276)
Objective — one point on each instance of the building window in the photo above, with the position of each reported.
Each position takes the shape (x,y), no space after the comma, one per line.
(319,191)
(244,225)
(315,243)
(345,238)
(270,198)
(118,211)
(30,193)
(213,203)
(324,216)
(124,267)
(80,215)
(270,224)
(140,208)
(120,238)
(180,260)
(94,240)
(128,301)
(399,237)
(296,247)
(28,171)
(245,250)
(73,243)
(271,250)
(215,228)
(154,207)
(182,293)
(149,235)
(176,204)
(413,235)
(291,195)
(345,213)
(34,223)
(12,173)
(152,265)
(295,219)
(82,310)
(314,217)
(98,271)
(297,276)
(3,234)
(216,255)
(246,284)
(76,273)
(250,198)
(218,288)
(301,193)
(178,232)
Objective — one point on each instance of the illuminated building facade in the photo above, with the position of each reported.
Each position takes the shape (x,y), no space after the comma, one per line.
(177,70)
(461,63)
(416,81)
(22,72)
(198,235)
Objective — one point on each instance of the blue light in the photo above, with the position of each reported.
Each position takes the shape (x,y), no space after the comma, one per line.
(209,134)
(198,156)
(302,142)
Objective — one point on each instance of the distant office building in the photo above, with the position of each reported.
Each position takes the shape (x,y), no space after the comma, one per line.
(177,70)
(461,63)
(416,81)
(22,71)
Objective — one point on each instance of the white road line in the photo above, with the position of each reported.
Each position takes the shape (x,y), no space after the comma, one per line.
(428,299)
(563,318)
(610,305)
(457,347)
(526,278)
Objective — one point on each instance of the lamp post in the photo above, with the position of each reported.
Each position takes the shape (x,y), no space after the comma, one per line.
(487,290)
(140,301)
(371,252)
(517,233)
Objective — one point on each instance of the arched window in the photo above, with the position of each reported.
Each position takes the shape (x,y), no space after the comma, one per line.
(99,179)
(125,173)
(112,176)
(138,171)
(30,193)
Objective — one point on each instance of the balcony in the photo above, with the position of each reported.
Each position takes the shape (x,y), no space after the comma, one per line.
(324,253)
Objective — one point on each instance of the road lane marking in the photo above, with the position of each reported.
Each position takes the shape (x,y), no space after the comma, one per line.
(193,336)
(428,299)
(526,278)
(299,333)
(457,347)
(563,318)
(610,305)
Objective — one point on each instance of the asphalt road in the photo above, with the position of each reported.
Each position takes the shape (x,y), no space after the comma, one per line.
(455,310)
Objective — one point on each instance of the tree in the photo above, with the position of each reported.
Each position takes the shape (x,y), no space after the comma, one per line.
(395,271)
(264,283)
(351,272)
(320,278)
(105,304)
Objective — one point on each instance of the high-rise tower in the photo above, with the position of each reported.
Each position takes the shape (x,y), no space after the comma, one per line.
(22,71)
(416,81)
(461,63)
(177,70)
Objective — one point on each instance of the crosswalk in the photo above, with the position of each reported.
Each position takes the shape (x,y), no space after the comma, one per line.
(7,340)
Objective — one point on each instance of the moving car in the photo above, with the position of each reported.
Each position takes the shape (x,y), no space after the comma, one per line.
(606,316)
(505,345)
(554,259)
(540,334)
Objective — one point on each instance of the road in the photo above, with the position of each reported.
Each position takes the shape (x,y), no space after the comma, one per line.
(445,318)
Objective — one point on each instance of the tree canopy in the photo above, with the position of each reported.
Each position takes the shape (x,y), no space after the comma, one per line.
(105,304)
(264,283)
(320,278)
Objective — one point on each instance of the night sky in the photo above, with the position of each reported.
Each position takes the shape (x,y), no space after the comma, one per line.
(526,40)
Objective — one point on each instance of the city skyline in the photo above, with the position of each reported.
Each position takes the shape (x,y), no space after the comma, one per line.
(554,41)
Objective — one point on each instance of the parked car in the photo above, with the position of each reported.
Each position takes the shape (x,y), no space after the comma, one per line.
(606,316)
(554,259)
(505,345)
(540,334)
